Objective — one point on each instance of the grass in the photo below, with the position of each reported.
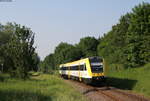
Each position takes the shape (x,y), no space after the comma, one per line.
(136,79)
(39,88)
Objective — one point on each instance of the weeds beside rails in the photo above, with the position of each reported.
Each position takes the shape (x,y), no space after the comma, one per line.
(40,87)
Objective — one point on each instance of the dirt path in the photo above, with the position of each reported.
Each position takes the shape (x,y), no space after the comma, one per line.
(103,93)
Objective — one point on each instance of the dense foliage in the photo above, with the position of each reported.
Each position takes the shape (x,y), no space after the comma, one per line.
(126,45)
(48,64)
(17,54)
(88,46)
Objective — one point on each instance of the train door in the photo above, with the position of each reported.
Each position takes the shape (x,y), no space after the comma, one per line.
(80,75)
(69,72)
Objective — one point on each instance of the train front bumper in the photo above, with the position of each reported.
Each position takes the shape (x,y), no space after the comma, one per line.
(98,76)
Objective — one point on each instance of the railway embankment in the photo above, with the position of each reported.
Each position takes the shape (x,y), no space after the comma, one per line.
(135,79)
(105,93)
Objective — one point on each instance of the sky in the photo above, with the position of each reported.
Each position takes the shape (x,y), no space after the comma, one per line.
(55,21)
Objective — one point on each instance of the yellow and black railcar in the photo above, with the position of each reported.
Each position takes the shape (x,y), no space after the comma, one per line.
(86,70)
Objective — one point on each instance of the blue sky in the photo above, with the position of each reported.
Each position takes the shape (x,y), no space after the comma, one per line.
(55,21)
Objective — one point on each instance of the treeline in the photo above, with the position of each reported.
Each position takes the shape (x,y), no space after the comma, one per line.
(65,52)
(127,45)
(17,53)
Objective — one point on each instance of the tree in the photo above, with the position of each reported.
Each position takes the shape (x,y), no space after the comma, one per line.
(35,62)
(48,65)
(5,36)
(65,52)
(88,46)
(138,36)
(128,42)
(20,51)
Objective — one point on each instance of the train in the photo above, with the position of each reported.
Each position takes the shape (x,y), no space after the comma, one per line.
(88,70)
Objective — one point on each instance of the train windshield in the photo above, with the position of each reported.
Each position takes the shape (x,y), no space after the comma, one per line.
(97,68)
(96,65)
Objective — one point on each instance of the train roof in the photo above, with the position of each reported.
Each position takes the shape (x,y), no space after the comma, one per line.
(81,61)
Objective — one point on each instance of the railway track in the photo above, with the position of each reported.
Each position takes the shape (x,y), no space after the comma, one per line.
(102,91)
(106,93)
(134,96)
(120,95)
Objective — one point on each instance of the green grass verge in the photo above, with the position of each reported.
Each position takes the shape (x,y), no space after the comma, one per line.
(39,88)
(136,79)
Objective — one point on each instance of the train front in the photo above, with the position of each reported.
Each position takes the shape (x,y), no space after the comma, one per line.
(97,68)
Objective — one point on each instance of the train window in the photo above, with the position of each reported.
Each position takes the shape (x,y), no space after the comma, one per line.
(74,68)
(96,64)
(64,68)
(71,68)
(82,67)
(97,68)
(95,59)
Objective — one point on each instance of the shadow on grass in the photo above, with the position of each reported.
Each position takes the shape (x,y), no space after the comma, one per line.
(11,95)
(126,84)
(6,77)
